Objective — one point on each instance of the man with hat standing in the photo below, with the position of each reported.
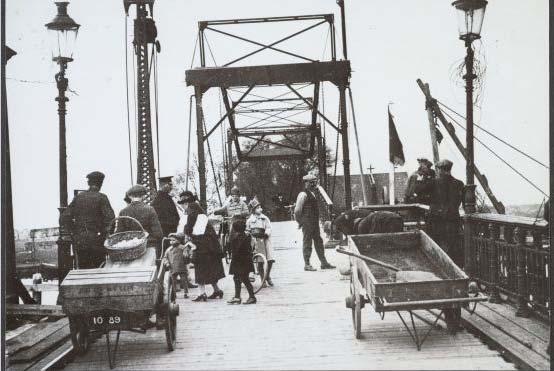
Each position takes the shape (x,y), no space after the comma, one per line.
(424,174)
(144,214)
(306,213)
(88,217)
(444,222)
(165,207)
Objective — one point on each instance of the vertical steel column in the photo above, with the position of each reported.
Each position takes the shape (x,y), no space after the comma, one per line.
(8,238)
(470,181)
(229,164)
(345,148)
(200,144)
(146,171)
(64,237)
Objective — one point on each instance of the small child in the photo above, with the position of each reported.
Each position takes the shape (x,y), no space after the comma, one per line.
(175,259)
(261,245)
(241,264)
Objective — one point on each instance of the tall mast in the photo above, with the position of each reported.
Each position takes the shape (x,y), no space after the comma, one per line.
(144,34)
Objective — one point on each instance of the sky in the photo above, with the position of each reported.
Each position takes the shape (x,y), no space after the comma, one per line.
(390,45)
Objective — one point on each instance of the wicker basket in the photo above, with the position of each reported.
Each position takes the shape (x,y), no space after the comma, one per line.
(129,252)
(257,232)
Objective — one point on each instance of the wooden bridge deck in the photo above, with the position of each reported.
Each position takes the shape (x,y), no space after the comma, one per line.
(301,323)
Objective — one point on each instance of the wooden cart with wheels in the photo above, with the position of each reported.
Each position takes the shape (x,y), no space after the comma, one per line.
(121,296)
(405,272)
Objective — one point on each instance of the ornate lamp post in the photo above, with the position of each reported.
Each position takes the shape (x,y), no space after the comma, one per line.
(63,34)
(470,19)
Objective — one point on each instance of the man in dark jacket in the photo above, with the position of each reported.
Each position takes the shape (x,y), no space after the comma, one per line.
(418,180)
(144,214)
(88,217)
(444,222)
(306,213)
(165,207)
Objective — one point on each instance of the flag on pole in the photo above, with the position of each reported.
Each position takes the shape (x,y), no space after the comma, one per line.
(396,153)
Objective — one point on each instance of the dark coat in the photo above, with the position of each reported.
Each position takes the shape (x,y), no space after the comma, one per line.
(88,218)
(167,212)
(241,247)
(146,216)
(444,222)
(446,197)
(417,190)
(208,253)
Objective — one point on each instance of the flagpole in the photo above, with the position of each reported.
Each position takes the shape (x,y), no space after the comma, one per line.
(391,185)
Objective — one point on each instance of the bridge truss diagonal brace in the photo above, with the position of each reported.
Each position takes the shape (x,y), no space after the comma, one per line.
(229,111)
(314,109)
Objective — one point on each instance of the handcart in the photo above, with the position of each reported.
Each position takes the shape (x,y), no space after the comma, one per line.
(406,271)
(121,296)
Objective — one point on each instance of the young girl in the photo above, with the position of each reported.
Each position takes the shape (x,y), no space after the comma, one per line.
(261,245)
(241,264)
(174,259)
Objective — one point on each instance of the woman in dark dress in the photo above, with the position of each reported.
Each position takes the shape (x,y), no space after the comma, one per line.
(208,267)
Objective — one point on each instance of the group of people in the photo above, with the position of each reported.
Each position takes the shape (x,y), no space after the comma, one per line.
(443,194)
(184,230)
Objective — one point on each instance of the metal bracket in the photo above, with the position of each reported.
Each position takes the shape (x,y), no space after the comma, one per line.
(414,335)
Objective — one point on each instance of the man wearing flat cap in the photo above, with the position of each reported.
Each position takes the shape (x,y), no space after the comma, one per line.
(306,213)
(88,217)
(422,175)
(144,214)
(165,207)
(444,222)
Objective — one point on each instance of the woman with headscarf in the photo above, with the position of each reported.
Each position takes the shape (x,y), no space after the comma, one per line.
(207,255)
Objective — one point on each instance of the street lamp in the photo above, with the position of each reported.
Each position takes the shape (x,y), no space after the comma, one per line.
(470,20)
(63,34)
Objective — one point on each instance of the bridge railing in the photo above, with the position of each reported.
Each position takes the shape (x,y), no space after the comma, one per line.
(510,254)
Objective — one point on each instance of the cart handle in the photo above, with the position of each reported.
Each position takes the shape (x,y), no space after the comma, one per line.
(433,303)
(126,217)
(371,260)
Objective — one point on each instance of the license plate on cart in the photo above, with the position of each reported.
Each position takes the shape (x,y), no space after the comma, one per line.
(109,320)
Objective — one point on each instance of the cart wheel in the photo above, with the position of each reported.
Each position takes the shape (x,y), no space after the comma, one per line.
(78,328)
(170,316)
(356,312)
(260,275)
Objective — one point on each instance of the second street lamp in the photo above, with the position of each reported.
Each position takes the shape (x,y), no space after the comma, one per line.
(470,21)
(63,34)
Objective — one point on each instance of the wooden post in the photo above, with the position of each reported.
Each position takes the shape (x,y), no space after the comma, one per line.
(494,235)
(522,309)
(432,126)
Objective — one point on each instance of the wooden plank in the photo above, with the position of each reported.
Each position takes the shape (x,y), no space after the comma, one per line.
(33,335)
(53,358)
(34,310)
(514,349)
(13,333)
(533,326)
(516,331)
(45,344)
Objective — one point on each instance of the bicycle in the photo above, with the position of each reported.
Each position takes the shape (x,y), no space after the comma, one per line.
(259,260)
(224,236)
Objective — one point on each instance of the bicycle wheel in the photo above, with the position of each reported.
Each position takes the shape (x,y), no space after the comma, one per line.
(260,271)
